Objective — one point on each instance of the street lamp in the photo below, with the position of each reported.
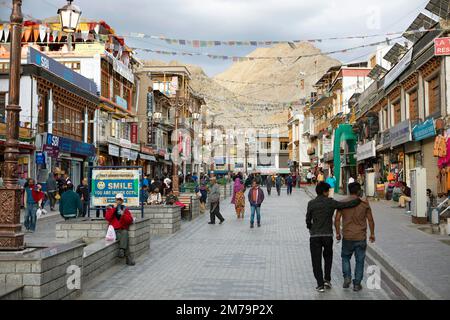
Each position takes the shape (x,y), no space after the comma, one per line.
(69,16)
(11,236)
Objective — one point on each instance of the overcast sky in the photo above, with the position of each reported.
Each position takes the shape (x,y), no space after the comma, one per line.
(241,20)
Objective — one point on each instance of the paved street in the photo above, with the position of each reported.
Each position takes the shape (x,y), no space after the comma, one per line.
(231,261)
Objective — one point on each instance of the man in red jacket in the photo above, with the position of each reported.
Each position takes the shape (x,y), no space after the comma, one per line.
(120,218)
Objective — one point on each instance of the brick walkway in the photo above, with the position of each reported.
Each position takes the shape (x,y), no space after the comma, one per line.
(414,253)
(230,261)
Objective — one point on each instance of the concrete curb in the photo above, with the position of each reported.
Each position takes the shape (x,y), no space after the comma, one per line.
(410,282)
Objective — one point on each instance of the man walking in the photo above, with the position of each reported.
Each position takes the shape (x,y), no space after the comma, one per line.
(83,193)
(51,190)
(278,183)
(256,198)
(319,221)
(289,183)
(269,184)
(214,198)
(120,218)
(354,231)
(31,205)
(70,204)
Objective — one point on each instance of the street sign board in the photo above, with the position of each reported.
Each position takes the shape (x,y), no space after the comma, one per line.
(106,184)
(442,46)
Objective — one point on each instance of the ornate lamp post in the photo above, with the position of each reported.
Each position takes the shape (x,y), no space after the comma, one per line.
(11,237)
(69,16)
(178,103)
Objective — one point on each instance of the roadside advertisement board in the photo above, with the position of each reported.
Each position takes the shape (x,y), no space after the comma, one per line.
(106,184)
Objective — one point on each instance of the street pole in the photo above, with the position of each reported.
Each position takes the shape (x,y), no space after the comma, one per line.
(11,237)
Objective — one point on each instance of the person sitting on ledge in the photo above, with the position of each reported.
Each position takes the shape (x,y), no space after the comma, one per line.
(172,200)
(70,204)
(120,218)
(406,195)
(155,197)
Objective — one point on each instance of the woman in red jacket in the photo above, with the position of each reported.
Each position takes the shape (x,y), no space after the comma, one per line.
(120,218)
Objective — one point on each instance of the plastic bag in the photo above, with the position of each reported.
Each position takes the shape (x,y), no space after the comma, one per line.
(38,213)
(110,234)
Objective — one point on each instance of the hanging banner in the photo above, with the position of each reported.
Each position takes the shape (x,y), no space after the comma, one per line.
(107,183)
(366,151)
(401,133)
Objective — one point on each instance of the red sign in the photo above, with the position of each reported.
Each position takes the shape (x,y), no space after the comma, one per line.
(134,133)
(442,46)
(147,150)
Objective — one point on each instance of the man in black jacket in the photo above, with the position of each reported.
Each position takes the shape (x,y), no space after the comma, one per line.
(319,221)
(83,193)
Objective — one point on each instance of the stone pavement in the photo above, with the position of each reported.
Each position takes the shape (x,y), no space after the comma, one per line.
(231,261)
(419,258)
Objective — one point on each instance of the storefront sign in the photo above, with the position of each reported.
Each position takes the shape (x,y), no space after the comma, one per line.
(366,151)
(133,155)
(147,150)
(134,133)
(113,150)
(52,151)
(122,102)
(89,48)
(398,69)
(147,157)
(70,146)
(40,157)
(401,133)
(120,67)
(125,153)
(125,143)
(424,130)
(107,183)
(442,46)
(40,59)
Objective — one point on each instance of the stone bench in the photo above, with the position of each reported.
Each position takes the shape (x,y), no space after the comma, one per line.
(91,230)
(43,272)
(11,292)
(164,219)
(98,257)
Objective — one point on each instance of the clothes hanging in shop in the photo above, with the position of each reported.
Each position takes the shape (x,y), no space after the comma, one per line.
(440,147)
(445,161)
(442,182)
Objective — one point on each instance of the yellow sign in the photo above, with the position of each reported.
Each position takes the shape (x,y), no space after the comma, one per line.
(89,48)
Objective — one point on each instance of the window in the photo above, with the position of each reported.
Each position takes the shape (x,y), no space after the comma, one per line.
(73,128)
(396,107)
(4,67)
(434,96)
(2,106)
(413,106)
(284,145)
(74,65)
(105,80)
(385,118)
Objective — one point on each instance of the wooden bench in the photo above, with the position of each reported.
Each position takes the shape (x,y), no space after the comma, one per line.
(186,199)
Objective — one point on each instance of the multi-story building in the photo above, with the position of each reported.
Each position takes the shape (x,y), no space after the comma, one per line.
(408,105)
(173,98)
(97,53)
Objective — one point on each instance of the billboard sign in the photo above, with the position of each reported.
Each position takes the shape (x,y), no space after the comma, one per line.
(106,184)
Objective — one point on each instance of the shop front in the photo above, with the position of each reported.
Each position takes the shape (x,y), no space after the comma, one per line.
(64,155)
(401,137)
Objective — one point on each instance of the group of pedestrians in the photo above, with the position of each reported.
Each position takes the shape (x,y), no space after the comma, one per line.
(354,214)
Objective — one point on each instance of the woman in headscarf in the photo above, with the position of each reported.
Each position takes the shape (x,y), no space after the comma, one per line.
(240,203)
(236,189)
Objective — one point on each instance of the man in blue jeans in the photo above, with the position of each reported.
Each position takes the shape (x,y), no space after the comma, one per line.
(354,230)
(31,206)
(255,198)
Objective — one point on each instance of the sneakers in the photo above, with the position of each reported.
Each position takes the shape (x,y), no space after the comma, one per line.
(347,282)
(121,253)
(221,221)
(357,287)
(259,225)
(251,226)
(320,289)
(211,223)
(327,285)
